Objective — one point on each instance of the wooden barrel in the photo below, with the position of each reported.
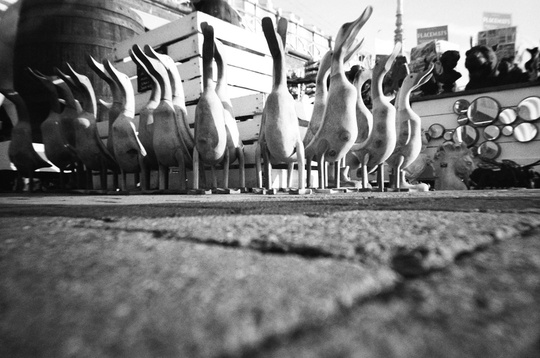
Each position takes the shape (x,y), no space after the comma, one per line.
(53,32)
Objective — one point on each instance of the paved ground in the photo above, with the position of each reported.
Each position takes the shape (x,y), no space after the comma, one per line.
(437,274)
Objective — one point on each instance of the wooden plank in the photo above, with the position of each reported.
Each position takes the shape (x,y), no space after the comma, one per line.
(249,130)
(170,32)
(238,77)
(192,47)
(190,24)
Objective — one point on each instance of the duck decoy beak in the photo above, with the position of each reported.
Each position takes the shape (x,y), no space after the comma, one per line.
(390,60)
(348,31)
(282,25)
(426,75)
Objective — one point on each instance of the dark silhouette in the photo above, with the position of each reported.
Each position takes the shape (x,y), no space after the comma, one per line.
(220,9)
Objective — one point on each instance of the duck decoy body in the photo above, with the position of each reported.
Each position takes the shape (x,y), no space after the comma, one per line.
(279,138)
(21,152)
(167,142)
(364,120)
(339,129)
(146,121)
(57,148)
(210,129)
(234,143)
(409,127)
(89,146)
(128,149)
(321,97)
(115,108)
(382,140)
(178,97)
(321,93)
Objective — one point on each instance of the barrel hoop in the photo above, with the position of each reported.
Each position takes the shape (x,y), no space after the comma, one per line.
(43,39)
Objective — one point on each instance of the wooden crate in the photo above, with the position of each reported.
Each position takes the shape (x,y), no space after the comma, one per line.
(247,54)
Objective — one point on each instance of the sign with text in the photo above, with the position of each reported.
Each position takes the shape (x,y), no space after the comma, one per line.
(494,20)
(431,33)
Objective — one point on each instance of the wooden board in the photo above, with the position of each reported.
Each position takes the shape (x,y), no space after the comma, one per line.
(190,24)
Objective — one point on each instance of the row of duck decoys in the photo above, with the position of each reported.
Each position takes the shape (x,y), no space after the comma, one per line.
(342,130)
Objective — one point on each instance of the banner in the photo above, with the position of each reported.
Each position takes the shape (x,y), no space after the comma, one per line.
(494,20)
(431,33)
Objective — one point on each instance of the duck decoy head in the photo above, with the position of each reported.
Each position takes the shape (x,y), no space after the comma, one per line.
(348,31)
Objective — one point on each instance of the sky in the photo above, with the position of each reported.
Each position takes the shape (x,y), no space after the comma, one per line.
(463,17)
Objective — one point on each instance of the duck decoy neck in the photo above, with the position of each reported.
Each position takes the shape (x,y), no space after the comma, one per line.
(99,69)
(324,71)
(381,68)
(276,47)
(157,69)
(221,64)
(17,100)
(172,71)
(64,89)
(52,93)
(208,54)
(125,88)
(85,89)
(155,95)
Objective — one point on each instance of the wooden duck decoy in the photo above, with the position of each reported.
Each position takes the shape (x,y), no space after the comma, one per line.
(234,143)
(321,97)
(21,152)
(89,146)
(167,141)
(210,129)
(279,138)
(409,128)
(339,129)
(382,140)
(178,96)
(364,120)
(57,148)
(146,121)
(70,111)
(113,109)
(128,149)
(321,93)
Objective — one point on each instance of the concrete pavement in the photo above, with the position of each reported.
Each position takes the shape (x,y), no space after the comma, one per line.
(437,274)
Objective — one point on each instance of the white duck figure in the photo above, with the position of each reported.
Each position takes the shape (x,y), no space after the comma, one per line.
(89,146)
(364,119)
(178,97)
(234,143)
(409,128)
(339,129)
(128,149)
(146,121)
(57,149)
(167,141)
(279,138)
(321,97)
(210,129)
(21,152)
(373,152)
(321,93)
(113,109)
